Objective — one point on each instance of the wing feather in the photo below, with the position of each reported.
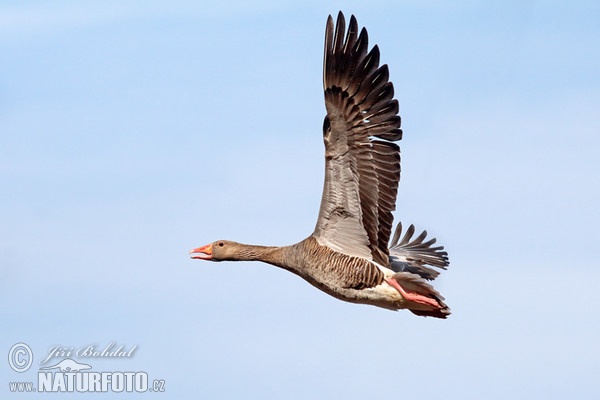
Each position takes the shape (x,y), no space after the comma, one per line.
(362,164)
(416,255)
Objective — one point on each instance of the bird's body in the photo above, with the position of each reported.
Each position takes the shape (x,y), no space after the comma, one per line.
(347,255)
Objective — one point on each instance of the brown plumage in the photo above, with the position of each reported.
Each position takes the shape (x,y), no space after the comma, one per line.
(347,255)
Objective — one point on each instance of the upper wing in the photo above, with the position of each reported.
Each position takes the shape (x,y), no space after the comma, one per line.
(362,164)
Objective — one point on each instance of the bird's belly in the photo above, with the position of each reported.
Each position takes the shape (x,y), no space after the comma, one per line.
(382,295)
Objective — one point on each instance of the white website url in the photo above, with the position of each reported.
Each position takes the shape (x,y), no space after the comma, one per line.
(21,387)
(92,381)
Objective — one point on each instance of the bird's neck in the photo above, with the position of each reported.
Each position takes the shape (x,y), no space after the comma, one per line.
(270,254)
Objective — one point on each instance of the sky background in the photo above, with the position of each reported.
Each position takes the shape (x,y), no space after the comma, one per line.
(131,132)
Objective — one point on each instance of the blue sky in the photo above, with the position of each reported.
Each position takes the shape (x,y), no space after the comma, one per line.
(132,132)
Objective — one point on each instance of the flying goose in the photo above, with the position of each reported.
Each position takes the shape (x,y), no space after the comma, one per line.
(347,255)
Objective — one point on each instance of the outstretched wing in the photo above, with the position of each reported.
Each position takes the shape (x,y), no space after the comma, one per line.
(362,164)
(414,255)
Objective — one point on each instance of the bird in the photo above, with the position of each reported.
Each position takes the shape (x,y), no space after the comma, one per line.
(347,255)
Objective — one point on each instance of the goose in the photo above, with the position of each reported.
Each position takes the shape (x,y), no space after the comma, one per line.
(348,256)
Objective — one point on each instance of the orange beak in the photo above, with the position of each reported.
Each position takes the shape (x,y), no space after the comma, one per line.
(202,253)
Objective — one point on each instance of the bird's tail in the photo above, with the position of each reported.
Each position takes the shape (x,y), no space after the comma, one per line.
(412,258)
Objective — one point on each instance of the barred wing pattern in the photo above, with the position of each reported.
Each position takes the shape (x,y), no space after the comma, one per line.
(362,164)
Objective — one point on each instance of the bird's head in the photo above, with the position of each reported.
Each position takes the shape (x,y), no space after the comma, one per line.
(217,251)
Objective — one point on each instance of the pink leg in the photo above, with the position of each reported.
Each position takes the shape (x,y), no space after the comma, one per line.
(416,297)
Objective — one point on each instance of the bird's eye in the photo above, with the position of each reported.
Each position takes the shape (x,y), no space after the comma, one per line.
(221,244)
